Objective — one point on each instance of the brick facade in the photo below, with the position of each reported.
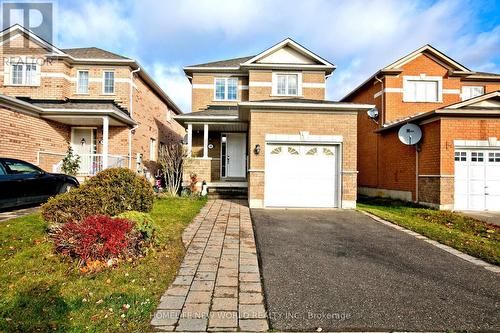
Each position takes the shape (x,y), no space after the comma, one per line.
(27,136)
(317,123)
(250,87)
(386,166)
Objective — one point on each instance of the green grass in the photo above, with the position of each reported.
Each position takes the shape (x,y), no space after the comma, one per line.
(40,292)
(471,236)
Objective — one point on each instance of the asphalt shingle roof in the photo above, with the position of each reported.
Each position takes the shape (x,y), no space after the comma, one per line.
(93,53)
(235,62)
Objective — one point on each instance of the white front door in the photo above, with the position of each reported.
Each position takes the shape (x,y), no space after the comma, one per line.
(236,154)
(82,142)
(477,179)
(301,175)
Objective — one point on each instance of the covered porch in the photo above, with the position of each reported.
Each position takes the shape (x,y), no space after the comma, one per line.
(217,149)
(98,132)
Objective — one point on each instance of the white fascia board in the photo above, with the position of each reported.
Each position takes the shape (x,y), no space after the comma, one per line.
(184,117)
(31,35)
(473,100)
(325,139)
(340,106)
(208,69)
(88,112)
(293,44)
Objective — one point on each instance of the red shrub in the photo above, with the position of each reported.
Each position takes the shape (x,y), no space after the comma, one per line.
(98,237)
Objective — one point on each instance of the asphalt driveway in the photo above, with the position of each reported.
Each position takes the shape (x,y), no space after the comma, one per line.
(341,270)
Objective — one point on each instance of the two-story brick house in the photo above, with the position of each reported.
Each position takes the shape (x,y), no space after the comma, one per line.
(456,165)
(103,104)
(262,123)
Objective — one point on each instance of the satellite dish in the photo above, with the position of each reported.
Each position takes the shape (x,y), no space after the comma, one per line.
(372,113)
(410,134)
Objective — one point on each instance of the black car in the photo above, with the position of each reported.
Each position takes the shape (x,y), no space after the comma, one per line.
(22,183)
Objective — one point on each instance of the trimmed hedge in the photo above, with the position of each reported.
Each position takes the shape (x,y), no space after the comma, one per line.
(110,192)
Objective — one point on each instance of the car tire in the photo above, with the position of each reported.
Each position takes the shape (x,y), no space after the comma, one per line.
(66,188)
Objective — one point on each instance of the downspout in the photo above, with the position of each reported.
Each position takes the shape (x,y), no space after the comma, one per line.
(382,117)
(416,172)
(131,112)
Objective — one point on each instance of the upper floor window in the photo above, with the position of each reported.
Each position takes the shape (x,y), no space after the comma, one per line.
(24,74)
(226,88)
(471,91)
(109,82)
(286,84)
(422,89)
(82,84)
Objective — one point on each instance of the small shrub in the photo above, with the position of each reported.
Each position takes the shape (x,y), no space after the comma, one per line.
(143,223)
(110,192)
(125,188)
(70,162)
(98,238)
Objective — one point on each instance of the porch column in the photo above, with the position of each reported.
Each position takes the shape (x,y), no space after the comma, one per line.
(190,139)
(105,135)
(205,140)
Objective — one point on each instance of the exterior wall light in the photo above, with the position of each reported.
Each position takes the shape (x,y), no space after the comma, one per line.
(257,149)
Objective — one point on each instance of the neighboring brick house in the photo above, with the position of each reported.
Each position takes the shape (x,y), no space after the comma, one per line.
(103,104)
(262,123)
(456,165)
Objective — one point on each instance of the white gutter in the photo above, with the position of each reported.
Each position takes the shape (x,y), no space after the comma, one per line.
(131,107)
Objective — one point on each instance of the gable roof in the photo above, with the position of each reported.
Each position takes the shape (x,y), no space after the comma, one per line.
(92,53)
(429,49)
(288,42)
(42,42)
(235,62)
(244,63)
(438,56)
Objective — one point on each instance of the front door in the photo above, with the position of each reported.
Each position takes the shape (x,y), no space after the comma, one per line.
(82,141)
(236,155)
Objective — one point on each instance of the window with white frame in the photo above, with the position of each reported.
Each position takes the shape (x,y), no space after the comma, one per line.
(469,92)
(226,89)
(82,82)
(109,82)
(286,84)
(24,74)
(152,149)
(422,90)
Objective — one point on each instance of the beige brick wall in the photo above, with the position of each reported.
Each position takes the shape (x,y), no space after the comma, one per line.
(58,82)
(19,139)
(150,112)
(202,97)
(317,123)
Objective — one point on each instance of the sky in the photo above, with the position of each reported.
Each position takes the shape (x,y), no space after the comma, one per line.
(359,37)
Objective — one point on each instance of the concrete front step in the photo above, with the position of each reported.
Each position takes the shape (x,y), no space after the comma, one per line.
(228,192)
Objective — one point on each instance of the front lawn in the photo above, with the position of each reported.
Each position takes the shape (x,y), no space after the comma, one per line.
(39,292)
(471,236)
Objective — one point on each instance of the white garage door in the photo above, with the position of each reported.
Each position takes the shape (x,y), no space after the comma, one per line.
(477,180)
(301,175)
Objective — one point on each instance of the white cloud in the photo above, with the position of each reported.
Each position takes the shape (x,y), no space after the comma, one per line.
(174,83)
(104,25)
(358,36)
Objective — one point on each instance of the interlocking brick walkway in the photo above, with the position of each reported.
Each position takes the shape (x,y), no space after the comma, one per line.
(5,216)
(218,286)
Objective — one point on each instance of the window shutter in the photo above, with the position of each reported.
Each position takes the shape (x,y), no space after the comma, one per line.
(6,71)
